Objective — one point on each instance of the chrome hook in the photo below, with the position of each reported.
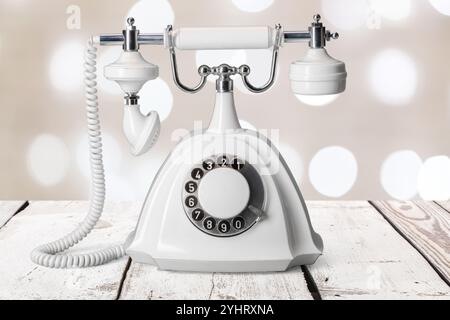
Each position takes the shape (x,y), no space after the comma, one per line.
(244,70)
(204,71)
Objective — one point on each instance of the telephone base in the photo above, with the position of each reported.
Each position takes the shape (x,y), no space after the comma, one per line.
(200,215)
(227,265)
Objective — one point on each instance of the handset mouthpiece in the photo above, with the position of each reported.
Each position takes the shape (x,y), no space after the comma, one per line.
(141,131)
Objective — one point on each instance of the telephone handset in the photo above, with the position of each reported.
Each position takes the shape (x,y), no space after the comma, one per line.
(224,199)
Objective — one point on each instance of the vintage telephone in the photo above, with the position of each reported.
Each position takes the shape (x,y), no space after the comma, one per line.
(188,222)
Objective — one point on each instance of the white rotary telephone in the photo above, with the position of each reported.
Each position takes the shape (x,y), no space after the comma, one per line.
(224,200)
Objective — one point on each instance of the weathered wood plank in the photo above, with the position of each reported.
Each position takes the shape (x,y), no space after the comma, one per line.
(445,205)
(147,282)
(290,284)
(426,225)
(8,209)
(365,258)
(45,221)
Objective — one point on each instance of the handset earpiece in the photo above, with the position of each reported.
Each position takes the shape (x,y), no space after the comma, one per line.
(131,71)
(317,73)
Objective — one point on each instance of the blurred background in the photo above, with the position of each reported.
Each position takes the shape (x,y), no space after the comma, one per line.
(386,137)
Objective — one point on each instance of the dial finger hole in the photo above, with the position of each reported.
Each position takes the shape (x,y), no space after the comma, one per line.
(197,174)
(191,201)
(198,214)
(190,187)
(209,223)
(238,223)
(222,161)
(208,164)
(224,226)
(237,164)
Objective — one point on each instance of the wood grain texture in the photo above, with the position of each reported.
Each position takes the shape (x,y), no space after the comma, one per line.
(45,221)
(445,205)
(426,225)
(365,258)
(8,209)
(147,282)
(289,285)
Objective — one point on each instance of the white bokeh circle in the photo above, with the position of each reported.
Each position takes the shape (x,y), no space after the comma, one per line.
(128,178)
(399,174)
(66,66)
(345,14)
(320,100)
(119,188)
(333,171)
(156,95)
(151,15)
(442,6)
(252,5)
(48,160)
(112,155)
(393,77)
(434,179)
(392,10)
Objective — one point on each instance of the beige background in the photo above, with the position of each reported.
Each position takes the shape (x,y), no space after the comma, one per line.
(42,127)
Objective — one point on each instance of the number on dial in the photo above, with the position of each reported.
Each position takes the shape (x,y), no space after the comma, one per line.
(224,226)
(209,223)
(198,214)
(237,164)
(222,161)
(190,187)
(191,201)
(238,223)
(208,164)
(197,174)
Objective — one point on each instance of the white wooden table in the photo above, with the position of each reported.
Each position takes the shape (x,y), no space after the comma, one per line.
(373,250)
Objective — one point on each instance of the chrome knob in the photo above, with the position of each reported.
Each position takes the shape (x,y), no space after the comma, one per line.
(329,35)
(130,21)
(317,18)
(244,70)
(204,70)
(224,70)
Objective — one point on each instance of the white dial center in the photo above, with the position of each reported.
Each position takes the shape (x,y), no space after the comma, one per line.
(224,193)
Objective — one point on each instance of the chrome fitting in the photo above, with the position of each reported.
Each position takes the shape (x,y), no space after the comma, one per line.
(130,35)
(318,34)
(224,83)
(131,100)
(317,31)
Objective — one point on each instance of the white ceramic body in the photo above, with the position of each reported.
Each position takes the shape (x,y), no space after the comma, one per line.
(317,73)
(165,237)
(251,37)
(131,71)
